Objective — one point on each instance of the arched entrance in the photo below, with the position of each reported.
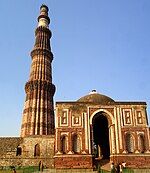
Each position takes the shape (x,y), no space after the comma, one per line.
(101,136)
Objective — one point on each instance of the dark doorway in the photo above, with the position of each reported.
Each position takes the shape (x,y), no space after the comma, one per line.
(19,151)
(101,136)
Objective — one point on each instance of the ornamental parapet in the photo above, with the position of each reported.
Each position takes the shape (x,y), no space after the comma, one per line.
(41,85)
(43,52)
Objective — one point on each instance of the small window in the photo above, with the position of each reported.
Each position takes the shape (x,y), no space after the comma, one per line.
(139,117)
(19,151)
(37,150)
(64,117)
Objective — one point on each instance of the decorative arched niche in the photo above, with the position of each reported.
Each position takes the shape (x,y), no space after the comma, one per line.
(141,142)
(63,144)
(76,143)
(129,140)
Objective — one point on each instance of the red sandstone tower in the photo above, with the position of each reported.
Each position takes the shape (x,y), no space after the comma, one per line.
(38,113)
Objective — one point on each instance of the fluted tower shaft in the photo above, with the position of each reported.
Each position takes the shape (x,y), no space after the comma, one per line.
(38,113)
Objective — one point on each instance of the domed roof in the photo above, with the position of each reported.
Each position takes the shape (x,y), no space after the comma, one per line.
(95,97)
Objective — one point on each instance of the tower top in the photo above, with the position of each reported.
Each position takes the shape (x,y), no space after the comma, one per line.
(44,6)
(43,19)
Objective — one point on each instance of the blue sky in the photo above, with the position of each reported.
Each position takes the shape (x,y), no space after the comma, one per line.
(97,44)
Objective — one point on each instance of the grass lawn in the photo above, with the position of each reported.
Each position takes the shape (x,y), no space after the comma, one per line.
(10,171)
(20,170)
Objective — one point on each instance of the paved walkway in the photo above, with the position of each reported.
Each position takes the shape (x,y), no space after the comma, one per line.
(66,171)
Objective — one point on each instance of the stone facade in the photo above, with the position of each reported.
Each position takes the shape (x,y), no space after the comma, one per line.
(127,136)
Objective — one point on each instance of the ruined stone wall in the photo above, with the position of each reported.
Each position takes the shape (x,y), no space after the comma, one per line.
(9,157)
(8,146)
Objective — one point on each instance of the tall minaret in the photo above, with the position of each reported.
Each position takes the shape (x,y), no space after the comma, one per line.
(38,113)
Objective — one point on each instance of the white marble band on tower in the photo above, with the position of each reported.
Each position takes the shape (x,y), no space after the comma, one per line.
(43,19)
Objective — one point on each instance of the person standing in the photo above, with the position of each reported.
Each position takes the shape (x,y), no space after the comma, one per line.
(42,167)
(112,166)
(118,168)
(14,170)
(123,166)
(39,165)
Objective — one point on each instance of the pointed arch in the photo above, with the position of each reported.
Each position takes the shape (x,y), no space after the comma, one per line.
(63,144)
(100,136)
(129,139)
(108,115)
(19,151)
(76,143)
(37,150)
(141,143)
(111,122)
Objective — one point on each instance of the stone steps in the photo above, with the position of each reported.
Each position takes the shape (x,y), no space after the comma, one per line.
(67,171)
(106,166)
(103,164)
